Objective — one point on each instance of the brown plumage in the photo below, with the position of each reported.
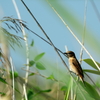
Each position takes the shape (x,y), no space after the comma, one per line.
(74,64)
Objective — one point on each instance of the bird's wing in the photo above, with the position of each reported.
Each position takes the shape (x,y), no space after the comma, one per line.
(77,65)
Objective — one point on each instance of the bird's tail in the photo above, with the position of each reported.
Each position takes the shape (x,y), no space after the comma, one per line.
(82,78)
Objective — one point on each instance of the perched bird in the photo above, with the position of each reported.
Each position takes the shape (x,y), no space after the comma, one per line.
(75,66)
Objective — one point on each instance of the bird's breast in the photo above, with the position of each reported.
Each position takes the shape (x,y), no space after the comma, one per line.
(73,68)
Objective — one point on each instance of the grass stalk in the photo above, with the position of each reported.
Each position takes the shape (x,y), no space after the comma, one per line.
(84,31)
(13,84)
(27,49)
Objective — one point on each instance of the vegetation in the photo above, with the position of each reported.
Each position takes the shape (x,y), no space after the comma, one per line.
(42,80)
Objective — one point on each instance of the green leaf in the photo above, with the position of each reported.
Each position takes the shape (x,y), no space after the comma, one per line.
(3,80)
(17,90)
(31,63)
(31,74)
(48,90)
(30,94)
(51,77)
(15,74)
(91,63)
(64,88)
(91,91)
(41,91)
(38,57)
(40,66)
(2,93)
(98,83)
(32,43)
(92,71)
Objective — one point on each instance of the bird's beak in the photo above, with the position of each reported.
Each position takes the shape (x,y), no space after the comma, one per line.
(65,54)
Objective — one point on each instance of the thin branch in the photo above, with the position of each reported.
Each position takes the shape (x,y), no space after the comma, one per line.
(39,74)
(45,40)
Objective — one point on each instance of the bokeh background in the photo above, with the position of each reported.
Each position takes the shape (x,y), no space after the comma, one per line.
(79,15)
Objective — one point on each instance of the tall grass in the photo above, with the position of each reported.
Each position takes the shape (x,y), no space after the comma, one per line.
(45,79)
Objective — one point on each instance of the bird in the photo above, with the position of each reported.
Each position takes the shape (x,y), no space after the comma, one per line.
(75,66)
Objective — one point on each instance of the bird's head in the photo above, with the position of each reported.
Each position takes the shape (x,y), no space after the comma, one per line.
(69,54)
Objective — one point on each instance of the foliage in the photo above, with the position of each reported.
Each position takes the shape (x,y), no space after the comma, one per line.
(35,62)
(12,24)
(68,87)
